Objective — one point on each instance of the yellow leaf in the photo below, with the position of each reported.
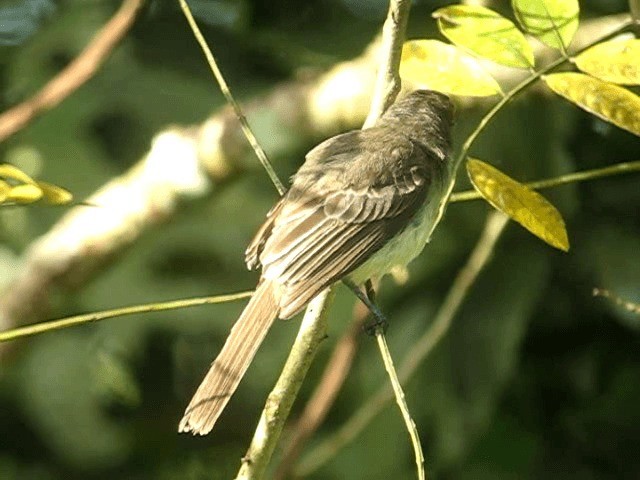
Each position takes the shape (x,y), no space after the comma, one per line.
(525,206)
(610,102)
(485,33)
(55,195)
(4,190)
(442,67)
(615,61)
(14,173)
(24,193)
(553,22)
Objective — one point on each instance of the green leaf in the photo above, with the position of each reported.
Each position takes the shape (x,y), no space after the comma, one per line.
(485,33)
(553,22)
(610,102)
(615,61)
(54,195)
(439,66)
(25,193)
(520,203)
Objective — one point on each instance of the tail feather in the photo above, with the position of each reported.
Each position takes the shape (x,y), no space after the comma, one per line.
(232,362)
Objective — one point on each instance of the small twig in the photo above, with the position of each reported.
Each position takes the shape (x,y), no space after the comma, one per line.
(379,328)
(418,352)
(401,401)
(569,178)
(521,87)
(246,129)
(73,75)
(67,322)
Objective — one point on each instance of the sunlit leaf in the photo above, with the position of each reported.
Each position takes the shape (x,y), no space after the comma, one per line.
(55,195)
(24,193)
(485,33)
(4,190)
(525,206)
(439,66)
(553,22)
(14,173)
(610,102)
(616,61)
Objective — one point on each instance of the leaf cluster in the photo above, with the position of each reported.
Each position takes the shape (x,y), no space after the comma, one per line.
(480,34)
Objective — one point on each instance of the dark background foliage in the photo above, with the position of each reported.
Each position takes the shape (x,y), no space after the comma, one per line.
(536,379)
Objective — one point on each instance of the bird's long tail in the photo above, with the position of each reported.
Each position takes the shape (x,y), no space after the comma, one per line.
(232,362)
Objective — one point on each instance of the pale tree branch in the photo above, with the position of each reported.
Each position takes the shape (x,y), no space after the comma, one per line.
(313,330)
(335,373)
(74,75)
(183,163)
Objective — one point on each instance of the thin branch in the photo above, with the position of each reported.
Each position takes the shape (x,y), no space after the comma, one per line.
(418,352)
(378,330)
(402,403)
(246,129)
(75,74)
(53,325)
(569,178)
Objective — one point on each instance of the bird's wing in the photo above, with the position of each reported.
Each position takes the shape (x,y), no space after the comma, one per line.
(333,219)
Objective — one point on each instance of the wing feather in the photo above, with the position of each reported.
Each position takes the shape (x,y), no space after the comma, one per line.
(333,218)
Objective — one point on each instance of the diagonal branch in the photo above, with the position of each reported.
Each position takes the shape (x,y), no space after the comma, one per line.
(75,74)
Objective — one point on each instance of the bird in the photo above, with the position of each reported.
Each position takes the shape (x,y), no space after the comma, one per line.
(362,203)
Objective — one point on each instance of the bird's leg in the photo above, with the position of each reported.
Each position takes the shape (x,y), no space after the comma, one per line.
(371,292)
(380,321)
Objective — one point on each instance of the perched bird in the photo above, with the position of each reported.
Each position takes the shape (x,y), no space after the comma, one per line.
(363,202)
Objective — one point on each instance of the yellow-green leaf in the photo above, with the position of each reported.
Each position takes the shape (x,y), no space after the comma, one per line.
(24,193)
(55,195)
(616,61)
(439,66)
(520,203)
(553,22)
(4,190)
(485,33)
(610,102)
(14,173)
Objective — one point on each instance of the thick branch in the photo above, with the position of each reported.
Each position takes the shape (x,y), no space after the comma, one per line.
(87,238)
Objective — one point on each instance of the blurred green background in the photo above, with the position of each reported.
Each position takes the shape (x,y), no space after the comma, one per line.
(536,379)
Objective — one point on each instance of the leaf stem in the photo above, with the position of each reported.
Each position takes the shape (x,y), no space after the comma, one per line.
(569,178)
(521,87)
